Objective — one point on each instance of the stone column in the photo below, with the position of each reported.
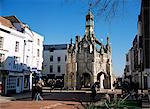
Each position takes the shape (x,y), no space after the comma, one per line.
(75,76)
(101,81)
(66,77)
(31,81)
(94,78)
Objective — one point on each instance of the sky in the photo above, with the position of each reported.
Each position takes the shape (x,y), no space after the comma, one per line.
(60,20)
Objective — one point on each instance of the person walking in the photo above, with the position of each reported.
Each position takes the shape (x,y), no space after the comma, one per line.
(93,91)
(33,91)
(38,86)
(149,95)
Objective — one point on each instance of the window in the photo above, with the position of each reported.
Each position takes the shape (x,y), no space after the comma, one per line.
(11,83)
(38,53)
(127,68)
(65,57)
(18,82)
(17,46)
(51,68)
(51,50)
(16,61)
(26,81)
(38,41)
(58,59)
(2,56)
(58,69)
(51,58)
(1,42)
(127,57)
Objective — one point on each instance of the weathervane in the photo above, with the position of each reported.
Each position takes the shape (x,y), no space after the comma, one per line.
(90,6)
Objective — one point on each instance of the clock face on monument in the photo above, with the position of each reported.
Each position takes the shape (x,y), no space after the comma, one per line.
(85,45)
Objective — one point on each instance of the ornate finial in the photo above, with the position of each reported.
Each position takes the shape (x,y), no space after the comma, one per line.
(107,38)
(90,6)
(71,41)
(108,43)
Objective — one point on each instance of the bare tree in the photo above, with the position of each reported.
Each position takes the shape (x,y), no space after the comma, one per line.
(107,9)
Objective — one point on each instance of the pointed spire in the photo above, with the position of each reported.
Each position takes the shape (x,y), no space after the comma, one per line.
(102,49)
(71,41)
(108,43)
(108,40)
(90,10)
(89,31)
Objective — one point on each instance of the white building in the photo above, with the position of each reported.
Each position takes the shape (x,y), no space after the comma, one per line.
(20,52)
(54,63)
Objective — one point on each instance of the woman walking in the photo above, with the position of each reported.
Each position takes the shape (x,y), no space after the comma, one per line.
(38,86)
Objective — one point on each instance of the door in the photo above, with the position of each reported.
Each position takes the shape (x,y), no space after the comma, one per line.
(18,85)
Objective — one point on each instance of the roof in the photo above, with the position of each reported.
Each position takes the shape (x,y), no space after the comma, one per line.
(13,19)
(6,22)
(55,47)
(9,21)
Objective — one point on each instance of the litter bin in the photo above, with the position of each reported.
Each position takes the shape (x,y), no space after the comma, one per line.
(0,87)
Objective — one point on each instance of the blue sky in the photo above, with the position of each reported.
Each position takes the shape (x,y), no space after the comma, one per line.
(60,20)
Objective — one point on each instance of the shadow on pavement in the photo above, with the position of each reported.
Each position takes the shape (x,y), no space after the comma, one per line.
(63,96)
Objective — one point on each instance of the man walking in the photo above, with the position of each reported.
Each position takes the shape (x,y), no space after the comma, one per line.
(93,93)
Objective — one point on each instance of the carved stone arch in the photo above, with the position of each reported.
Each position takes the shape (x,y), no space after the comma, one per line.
(103,79)
(85,80)
(71,80)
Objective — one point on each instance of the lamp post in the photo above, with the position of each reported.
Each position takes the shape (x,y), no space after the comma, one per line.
(33,84)
(147,75)
(141,76)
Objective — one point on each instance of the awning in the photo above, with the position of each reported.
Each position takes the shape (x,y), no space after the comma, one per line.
(27,72)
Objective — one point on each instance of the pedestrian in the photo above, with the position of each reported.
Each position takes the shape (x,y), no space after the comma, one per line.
(107,97)
(93,91)
(140,100)
(33,91)
(38,86)
(149,95)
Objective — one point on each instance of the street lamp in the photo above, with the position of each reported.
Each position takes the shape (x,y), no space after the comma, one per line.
(140,71)
(33,84)
(147,75)
(141,76)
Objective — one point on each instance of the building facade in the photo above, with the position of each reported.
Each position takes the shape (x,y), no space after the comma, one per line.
(54,63)
(145,15)
(88,60)
(20,54)
(138,57)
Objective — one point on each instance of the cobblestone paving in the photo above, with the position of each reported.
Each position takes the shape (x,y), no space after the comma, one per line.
(40,105)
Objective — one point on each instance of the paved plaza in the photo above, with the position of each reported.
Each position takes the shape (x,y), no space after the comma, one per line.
(56,99)
(40,105)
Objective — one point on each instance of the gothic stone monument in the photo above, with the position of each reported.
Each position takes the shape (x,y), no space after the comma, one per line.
(88,60)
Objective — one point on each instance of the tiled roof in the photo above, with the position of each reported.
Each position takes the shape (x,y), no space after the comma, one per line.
(13,19)
(6,22)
